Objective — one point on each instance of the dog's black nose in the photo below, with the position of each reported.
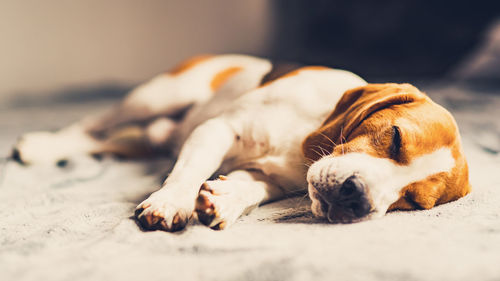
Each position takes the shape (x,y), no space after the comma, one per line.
(352,187)
(16,156)
(343,201)
(352,196)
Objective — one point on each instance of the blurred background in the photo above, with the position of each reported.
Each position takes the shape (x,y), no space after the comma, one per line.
(102,48)
(56,45)
(61,60)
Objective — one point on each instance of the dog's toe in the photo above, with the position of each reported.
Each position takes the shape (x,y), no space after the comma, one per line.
(161,217)
(210,209)
(205,209)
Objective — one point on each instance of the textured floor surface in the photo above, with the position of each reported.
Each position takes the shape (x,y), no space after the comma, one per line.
(75,223)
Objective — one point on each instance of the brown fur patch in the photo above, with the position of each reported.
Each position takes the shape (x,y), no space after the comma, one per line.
(355,106)
(187,64)
(222,77)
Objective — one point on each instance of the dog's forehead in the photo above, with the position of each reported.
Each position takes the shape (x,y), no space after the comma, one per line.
(422,128)
(428,122)
(423,119)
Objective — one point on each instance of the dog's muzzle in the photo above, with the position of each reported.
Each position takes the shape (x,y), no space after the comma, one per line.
(342,202)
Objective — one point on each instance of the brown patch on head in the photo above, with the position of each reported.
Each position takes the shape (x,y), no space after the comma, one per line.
(355,106)
(434,190)
(187,64)
(397,122)
(222,77)
(283,70)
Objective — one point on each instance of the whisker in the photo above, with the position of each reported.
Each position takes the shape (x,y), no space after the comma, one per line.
(342,139)
(301,199)
(307,158)
(315,151)
(328,138)
(308,164)
(324,151)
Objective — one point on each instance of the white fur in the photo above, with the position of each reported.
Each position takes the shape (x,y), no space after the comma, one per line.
(384,179)
(239,127)
(160,130)
(238,194)
(161,97)
(47,148)
(262,130)
(167,93)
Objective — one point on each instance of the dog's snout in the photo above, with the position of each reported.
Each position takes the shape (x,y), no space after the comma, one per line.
(16,156)
(342,201)
(353,196)
(352,187)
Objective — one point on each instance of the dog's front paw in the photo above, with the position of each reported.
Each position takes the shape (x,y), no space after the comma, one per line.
(160,212)
(216,208)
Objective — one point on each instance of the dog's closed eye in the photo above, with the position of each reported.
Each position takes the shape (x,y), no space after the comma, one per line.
(395,147)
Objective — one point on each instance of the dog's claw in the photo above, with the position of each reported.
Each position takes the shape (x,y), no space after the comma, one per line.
(206,210)
(205,187)
(219,226)
(158,218)
(176,219)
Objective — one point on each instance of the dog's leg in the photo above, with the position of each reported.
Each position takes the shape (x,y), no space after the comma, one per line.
(139,141)
(158,97)
(221,202)
(130,129)
(203,152)
(74,141)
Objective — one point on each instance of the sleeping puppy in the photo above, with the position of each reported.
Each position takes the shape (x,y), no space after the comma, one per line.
(384,147)
(227,115)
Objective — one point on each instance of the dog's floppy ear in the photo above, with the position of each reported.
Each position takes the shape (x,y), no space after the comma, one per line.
(353,108)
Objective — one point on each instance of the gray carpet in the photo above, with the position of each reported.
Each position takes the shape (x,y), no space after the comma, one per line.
(75,223)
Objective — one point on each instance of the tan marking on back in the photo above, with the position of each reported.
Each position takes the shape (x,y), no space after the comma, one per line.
(222,76)
(293,73)
(188,64)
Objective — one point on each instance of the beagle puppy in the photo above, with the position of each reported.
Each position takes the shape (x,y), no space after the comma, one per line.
(236,117)
(237,126)
(384,147)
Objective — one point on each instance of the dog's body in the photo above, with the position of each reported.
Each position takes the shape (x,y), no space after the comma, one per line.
(233,124)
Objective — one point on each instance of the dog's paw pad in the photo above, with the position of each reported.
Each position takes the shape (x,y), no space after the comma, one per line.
(161,217)
(204,208)
(207,211)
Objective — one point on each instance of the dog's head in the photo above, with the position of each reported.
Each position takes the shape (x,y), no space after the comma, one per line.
(384,147)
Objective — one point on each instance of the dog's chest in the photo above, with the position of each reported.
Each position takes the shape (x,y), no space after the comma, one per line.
(268,138)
